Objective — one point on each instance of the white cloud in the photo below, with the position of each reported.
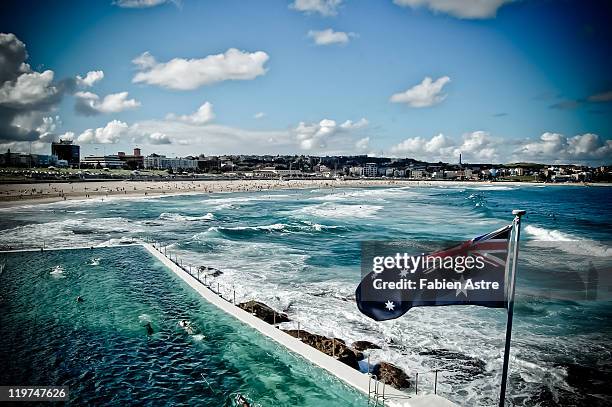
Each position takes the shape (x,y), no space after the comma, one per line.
(329,36)
(25,95)
(109,134)
(159,138)
(188,74)
(259,115)
(468,9)
(29,88)
(350,125)
(47,127)
(49,124)
(316,136)
(559,148)
(478,145)
(89,103)
(427,93)
(144,3)
(90,79)
(362,144)
(217,139)
(203,115)
(325,8)
(435,148)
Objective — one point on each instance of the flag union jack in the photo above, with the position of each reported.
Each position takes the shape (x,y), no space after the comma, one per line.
(471,273)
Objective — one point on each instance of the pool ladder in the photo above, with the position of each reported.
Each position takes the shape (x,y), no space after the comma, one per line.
(374,394)
(376,389)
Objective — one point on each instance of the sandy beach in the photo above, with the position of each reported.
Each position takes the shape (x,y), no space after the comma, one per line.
(16,194)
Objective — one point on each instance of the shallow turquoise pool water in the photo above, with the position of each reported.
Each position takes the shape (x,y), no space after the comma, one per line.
(101,349)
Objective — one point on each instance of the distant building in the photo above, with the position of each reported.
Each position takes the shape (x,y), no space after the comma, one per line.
(370,170)
(161,162)
(26,160)
(356,171)
(65,150)
(135,161)
(105,161)
(271,172)
(418,174)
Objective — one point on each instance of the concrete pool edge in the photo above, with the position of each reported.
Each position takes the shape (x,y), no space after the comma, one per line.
(352,377)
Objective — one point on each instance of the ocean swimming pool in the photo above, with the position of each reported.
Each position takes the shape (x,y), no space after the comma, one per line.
(101,349)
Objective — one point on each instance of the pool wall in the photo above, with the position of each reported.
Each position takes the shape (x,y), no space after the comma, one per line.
(352,377)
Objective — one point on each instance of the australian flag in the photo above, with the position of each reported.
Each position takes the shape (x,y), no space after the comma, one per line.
(439,278)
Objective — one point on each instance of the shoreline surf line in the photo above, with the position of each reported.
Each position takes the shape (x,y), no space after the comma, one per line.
(18,194)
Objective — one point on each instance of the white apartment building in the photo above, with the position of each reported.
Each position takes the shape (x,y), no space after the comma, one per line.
(162,162)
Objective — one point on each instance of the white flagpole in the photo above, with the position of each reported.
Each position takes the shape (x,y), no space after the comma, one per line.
(512,281)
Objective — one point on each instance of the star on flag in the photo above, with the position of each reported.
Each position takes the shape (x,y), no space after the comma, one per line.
(463,288)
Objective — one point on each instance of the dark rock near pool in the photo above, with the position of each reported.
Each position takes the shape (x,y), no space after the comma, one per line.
(263,312)
(210,271)
(330,347)
(363,345)
(391,375)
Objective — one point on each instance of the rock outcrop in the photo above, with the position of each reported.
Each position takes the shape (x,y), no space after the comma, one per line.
(391,375)
(330,347)
(210,271)
(263,312)
(363,345)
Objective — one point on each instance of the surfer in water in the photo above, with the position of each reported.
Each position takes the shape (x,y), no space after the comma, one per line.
(149,328)
(79,299)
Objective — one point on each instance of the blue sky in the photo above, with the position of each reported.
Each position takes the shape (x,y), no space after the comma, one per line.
(518,80)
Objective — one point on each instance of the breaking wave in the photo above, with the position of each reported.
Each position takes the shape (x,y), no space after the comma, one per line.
(185,218)
(547,237)
(333,210)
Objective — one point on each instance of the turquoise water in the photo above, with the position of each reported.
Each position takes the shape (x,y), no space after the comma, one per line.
(299,251)
(101,349)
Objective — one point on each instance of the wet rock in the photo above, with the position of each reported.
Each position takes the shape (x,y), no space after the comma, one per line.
(391,375)
(263,312)
(363,345)
(211,271)
(330,347)
(463,367)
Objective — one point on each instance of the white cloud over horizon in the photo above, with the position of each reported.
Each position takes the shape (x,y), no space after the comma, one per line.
(89,104)
(465,9)
(326,8)
(203,115)
(558,147)
(481,146)
(318,136)
(425,94)
(109,134)
(189,74)
(329,36)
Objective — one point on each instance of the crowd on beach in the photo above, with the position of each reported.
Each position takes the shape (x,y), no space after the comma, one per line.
(78,190)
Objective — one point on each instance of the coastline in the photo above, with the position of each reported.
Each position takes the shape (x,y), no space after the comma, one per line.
(40,193)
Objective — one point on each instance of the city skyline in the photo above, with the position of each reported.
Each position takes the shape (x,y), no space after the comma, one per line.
(497,81)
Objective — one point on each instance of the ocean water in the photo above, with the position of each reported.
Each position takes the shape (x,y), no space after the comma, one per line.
(299,251)
(100,347)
